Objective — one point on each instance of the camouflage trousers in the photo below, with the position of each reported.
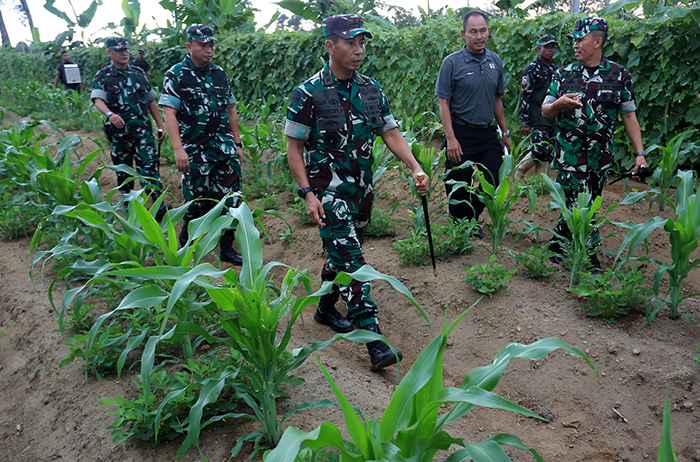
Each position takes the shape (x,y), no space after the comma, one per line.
(342,236)
(543,140)
(573,183)
(210,182)
(126,150)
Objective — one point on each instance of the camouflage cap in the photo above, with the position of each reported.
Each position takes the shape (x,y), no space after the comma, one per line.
(116,44)
(344,26)
(585,26)
(546,40)
(201,33)
(139,51)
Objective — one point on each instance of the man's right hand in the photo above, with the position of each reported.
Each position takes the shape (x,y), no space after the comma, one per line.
(570,101)
(314,210)
(117,121)
(182,161)
(454,150)
(525,130)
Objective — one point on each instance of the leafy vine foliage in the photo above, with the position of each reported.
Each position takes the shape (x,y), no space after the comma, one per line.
(406,62)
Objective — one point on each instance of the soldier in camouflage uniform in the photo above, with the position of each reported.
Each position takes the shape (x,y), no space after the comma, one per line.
(336,115)
(122,93)
(202,121)
(537,78)
(586,98)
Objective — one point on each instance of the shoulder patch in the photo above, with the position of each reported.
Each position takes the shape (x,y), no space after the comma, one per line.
(295,96)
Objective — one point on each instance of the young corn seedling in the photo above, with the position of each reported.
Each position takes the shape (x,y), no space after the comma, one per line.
(671,156)
(683,233)
(499,200)
(258,318)
(412,427)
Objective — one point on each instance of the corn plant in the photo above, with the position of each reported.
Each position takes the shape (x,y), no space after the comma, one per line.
(411,427)
(253,313)
(683,232)
(671,157)
(431,162)
(499,200)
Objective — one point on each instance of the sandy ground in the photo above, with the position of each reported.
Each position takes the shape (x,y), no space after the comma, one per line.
(51,413)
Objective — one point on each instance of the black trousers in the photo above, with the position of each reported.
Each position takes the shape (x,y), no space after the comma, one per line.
(481,146)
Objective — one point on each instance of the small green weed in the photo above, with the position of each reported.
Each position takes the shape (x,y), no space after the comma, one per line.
(298,209)
(535,183)
(488,278)
(534,260)
(382,222)
(608,294)
(449,239)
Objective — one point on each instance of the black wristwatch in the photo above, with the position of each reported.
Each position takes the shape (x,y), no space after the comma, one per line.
(304,191)
(239,144)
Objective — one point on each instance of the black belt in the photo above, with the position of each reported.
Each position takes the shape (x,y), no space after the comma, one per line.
(459,121)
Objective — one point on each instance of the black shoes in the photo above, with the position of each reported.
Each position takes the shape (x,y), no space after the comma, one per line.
(380,354)
(232,256)
(333,319)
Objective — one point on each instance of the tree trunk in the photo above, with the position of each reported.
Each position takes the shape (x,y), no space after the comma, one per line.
(25,7)
(3,33)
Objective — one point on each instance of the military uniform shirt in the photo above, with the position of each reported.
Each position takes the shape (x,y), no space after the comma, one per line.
(471,83)
(537,78)
(127,93)
(338,121)
(585,138)
(202,97)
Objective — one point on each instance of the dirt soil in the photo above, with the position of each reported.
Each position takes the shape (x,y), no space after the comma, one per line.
(49,412)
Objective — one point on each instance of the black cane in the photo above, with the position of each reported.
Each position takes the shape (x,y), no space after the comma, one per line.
(426,215)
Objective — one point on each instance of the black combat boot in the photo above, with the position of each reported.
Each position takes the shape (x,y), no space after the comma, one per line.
(327,314)
(228,253)
(380,354)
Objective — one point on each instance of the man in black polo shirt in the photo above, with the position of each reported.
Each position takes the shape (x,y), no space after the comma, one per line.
(469,88)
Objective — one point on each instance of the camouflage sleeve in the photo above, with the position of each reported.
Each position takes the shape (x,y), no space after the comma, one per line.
(230,99)
(300,117)
(98,87)
(553,92)
(151,94)
(171,91)
(527,94)
(627,103)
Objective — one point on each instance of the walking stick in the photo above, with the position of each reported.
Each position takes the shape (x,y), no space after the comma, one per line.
(426,215)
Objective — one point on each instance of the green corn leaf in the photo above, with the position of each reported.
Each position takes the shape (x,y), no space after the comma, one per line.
(248,240)
(326,435)
(356,429)
(487,377)
(666,452)
(211,389)
(131,345)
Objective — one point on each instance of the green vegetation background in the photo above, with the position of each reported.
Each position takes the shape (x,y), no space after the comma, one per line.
(662,57)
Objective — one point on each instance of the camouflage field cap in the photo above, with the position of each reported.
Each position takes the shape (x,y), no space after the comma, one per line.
(585,26)
(344,26)
(139,51)
(201,33)
(546,40)
(116,44)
